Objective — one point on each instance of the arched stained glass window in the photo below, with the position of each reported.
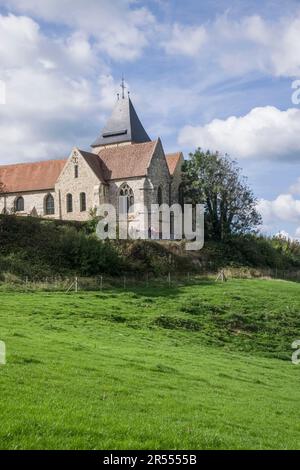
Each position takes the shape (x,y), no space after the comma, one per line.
(49,205)
(126,191)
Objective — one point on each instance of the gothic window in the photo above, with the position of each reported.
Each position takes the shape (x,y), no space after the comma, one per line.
(127,192)
(19,204)
(49,205)
(75,171)
(82,202)
(69,203)
(159,196)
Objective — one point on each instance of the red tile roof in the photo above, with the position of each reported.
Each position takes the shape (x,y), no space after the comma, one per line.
(111,163)
(126,161)
(172,160)
(36,176)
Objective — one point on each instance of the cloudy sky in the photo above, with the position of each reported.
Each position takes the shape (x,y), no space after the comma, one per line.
(216,74)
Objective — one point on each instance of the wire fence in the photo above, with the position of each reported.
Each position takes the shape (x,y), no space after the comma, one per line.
(130,281)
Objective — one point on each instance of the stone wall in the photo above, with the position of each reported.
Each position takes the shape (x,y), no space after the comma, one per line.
(159,176)
(86,182)
(34,203)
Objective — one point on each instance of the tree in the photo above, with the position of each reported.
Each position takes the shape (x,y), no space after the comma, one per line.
(216,182)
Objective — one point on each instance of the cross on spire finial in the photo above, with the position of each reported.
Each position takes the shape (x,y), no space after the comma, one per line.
(123,87)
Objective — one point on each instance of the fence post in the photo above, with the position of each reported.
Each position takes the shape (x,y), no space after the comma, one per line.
(76,284)
(169,279)
(101,283)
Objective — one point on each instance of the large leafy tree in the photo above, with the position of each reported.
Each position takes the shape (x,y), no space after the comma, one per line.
(216,181)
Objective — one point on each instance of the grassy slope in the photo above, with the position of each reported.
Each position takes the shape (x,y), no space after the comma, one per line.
(152,368)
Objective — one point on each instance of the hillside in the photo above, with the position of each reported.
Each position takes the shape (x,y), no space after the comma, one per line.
(198,367)
(37,248)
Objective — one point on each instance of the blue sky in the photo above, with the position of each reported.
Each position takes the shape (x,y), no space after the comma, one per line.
(216,74)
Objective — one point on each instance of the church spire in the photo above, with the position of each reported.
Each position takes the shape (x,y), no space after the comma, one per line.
(123,125)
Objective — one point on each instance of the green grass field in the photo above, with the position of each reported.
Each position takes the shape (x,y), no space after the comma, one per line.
(204,366)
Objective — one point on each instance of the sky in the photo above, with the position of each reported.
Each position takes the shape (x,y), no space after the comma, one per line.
(222,75)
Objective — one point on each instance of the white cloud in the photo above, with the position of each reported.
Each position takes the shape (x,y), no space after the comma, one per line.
(281,215)
(283,208)
(235,47)
(253,43)
(79,48)
(18,40)
(119,27)
(54,91)
(124,28)
(45,114)
(264,133)
(186,40)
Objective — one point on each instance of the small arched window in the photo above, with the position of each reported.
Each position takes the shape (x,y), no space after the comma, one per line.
(69,203)
(127,192)
(19,204)
(159,196)
(82,202)
(76,171)
(49,205)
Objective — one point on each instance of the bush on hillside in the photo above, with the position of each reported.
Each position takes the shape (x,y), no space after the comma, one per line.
(35,247)
(40,248)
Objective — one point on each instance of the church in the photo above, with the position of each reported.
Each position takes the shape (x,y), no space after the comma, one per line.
(123,161)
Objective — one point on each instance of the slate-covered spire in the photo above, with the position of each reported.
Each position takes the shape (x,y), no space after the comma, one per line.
(123,125)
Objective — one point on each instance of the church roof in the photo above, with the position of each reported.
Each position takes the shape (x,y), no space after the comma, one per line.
(126,161)
(94,163)
(172,160)
(37,176)
(111,163)
(123,126)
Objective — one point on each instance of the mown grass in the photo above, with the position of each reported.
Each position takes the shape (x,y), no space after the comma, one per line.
(197,367)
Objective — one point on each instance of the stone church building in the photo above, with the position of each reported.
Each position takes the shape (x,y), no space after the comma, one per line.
(123,161)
